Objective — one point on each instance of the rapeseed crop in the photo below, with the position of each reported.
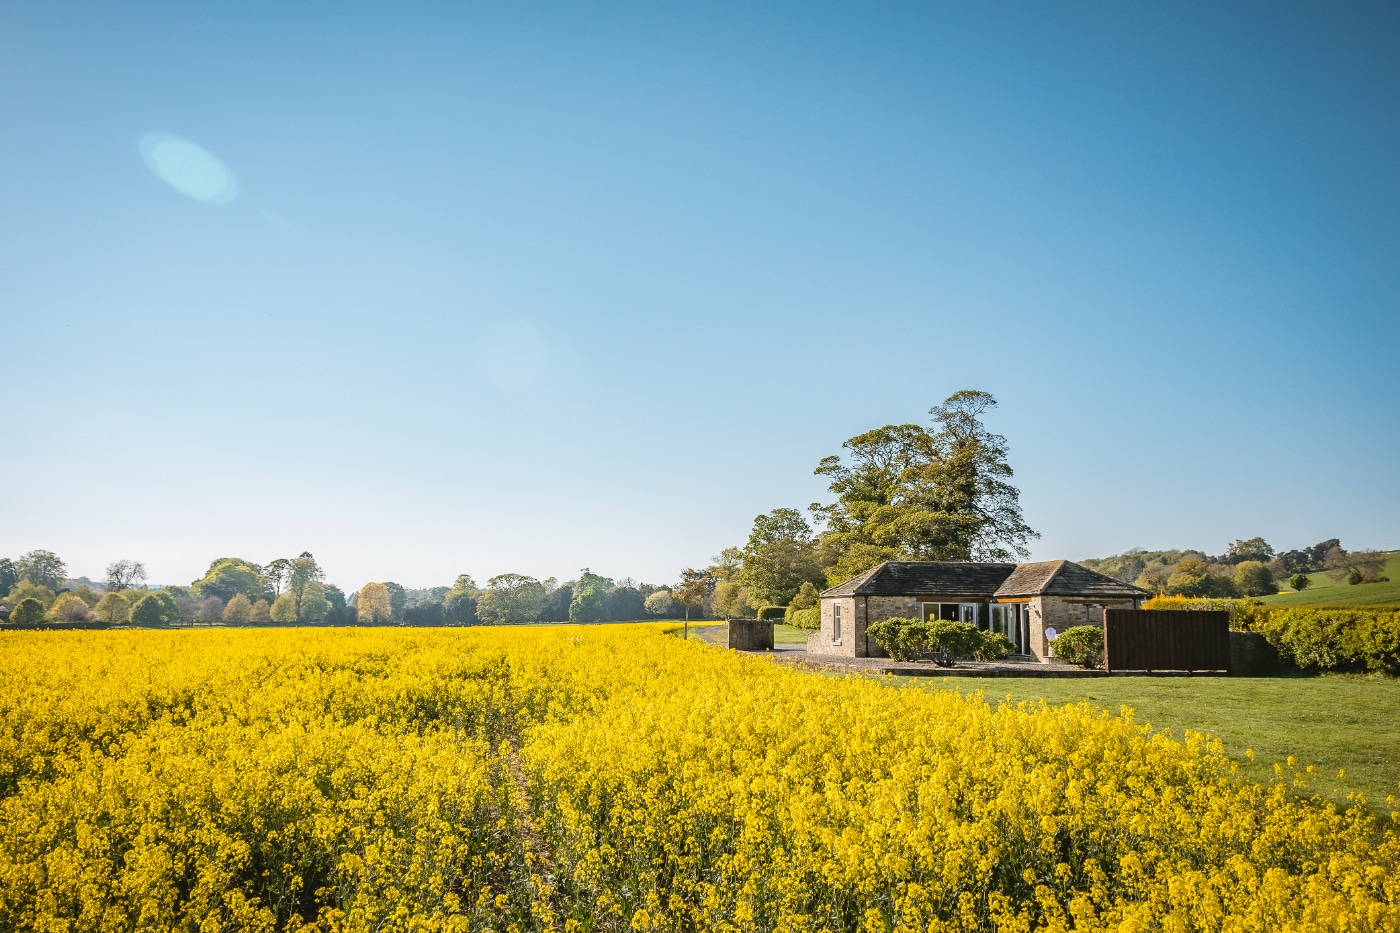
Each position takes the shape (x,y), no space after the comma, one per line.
(614,778)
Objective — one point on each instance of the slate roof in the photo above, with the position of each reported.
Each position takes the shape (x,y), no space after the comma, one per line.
(1064,578)
(983,580)
(926,578)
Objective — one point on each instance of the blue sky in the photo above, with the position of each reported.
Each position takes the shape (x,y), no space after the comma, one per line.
(536,287)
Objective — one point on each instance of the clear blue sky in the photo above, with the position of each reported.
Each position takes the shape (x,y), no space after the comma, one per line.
(536,287)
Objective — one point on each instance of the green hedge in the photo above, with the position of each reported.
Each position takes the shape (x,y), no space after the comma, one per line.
(772,612)
(809,619)
(909,639)
(1082,644)
(1361,639)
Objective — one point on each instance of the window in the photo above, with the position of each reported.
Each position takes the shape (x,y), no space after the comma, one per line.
(836,622)
(951,612)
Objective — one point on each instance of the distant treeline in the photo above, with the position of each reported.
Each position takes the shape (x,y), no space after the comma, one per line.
(293,590)
(1249,567)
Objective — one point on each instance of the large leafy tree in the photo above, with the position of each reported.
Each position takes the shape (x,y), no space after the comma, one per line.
(229,576)
(781,555)
(372,603)
(42,568)
(914,493)
(303,577)
(510,598)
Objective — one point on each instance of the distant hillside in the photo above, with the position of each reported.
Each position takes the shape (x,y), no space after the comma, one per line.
(1323,592)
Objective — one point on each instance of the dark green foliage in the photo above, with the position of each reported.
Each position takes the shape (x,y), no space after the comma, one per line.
(1300,582)
(398,601)
(149,610)
(9,576)
(780,556)
(809,619)
(1082,645)
(459,607)
(772,612)
(590,603)
(626,603)
(427,612)
(913,493)
(29,612)
(1354,577)
(42,568)
(1336,639)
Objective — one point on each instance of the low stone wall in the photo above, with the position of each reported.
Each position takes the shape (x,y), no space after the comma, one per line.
(751,634)
(1251,655)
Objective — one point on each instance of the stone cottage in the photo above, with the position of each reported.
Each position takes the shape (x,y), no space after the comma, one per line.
(1028,603)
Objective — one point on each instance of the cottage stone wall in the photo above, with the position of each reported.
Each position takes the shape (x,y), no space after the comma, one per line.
(822,641)
(1062,612)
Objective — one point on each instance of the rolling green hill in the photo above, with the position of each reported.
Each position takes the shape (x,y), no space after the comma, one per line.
(1324,592)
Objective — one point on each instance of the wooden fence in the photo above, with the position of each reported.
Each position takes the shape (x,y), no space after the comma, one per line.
(1166,640)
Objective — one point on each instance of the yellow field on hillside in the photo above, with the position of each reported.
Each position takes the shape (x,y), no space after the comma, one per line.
(616,778)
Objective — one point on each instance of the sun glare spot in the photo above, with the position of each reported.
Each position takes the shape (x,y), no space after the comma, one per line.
(188,168)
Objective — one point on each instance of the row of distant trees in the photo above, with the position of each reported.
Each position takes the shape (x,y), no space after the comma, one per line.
(294,590)
(1249,567)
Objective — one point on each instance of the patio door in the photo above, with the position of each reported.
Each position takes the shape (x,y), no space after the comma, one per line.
(1013,621)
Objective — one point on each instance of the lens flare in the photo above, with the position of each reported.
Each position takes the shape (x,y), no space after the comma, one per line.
(189,169)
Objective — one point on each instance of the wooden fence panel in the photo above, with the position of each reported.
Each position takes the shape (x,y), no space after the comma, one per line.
(1166,640)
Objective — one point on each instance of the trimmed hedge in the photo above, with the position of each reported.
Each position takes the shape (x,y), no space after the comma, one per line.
(1082,645)
(1360,639)
(910,639)
(1245,614)
(809,619)
(772,612)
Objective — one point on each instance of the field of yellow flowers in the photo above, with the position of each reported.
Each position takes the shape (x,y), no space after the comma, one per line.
(616,778)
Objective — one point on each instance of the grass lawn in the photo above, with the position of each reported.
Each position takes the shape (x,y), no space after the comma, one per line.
(1323,592)
(784,634)
(1334,722)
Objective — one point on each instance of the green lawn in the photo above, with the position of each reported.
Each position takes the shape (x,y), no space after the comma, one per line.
(1334,722)
(784,634)
(1323,592)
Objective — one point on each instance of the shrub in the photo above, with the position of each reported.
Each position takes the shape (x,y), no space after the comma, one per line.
(1363,639)
(1354,577)
(1082,645)
(909,639)
(238,609)
(1245,614)
(149,610)
(772,612)
(994,646)
(284,608)
(69,607)
(1300,581)
(809,619)
(29,612)
(112,609)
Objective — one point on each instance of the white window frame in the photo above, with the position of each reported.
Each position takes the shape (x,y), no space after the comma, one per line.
(836,623)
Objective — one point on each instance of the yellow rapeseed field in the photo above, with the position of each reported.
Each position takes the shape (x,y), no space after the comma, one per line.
(615,778)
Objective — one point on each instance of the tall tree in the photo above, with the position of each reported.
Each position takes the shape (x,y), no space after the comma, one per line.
(303,573)
(124,574)
(42,568)
(398,600)
(275,575)
(779,557)
(915,493)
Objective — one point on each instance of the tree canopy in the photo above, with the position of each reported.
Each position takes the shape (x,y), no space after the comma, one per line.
(914,493)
